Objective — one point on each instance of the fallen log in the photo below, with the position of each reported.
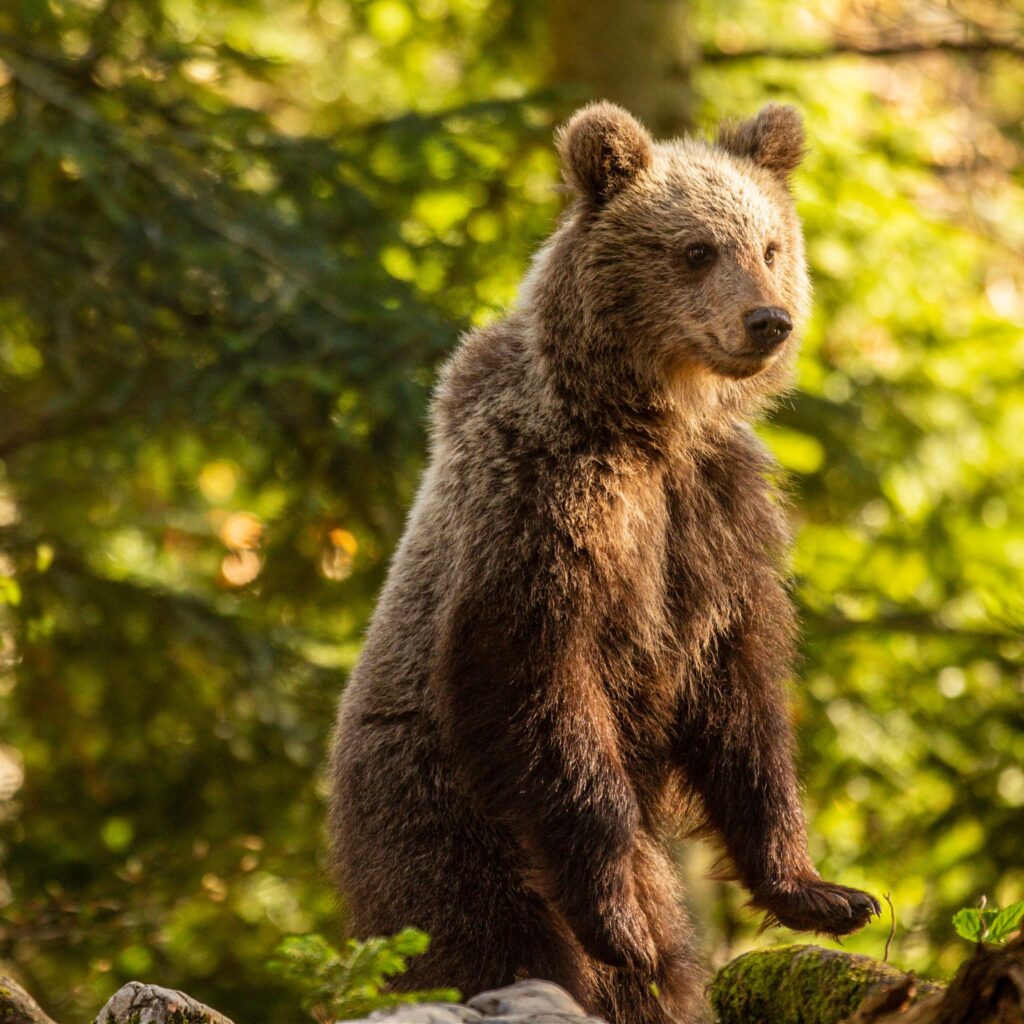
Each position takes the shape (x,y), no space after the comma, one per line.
(805,985)
(811,985)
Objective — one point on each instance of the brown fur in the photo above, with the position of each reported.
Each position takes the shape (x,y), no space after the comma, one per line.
(582,644)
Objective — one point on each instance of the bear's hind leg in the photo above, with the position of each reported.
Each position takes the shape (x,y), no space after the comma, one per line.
(501,936)
(676,994)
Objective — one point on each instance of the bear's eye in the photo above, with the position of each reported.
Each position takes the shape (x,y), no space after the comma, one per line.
(769,253)
(700,254)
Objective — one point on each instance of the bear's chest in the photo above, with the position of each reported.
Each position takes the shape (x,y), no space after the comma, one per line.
(719,526)
(685,551)
(677,552)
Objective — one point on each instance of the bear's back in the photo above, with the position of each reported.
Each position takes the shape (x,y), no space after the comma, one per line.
(461,498)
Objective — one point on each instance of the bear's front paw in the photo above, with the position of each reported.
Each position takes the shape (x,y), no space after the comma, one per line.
(812,905)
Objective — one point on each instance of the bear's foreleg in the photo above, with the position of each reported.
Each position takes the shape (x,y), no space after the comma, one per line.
(736,747)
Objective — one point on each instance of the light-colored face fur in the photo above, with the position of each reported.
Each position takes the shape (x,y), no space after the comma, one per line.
(673,245)
(701,242)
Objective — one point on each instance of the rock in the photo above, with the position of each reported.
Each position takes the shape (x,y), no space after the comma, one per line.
(426,1013)
(527,1002)
(136,1003)
(526,999)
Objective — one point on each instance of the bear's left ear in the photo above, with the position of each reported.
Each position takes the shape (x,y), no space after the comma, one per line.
(602,148)
(774,139)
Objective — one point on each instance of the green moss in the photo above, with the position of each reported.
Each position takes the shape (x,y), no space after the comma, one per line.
(798,985)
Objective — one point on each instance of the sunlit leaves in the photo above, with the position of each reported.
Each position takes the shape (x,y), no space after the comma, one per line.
(989,925)
(353,981)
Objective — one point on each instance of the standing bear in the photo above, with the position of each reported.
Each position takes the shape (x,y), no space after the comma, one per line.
(582,646)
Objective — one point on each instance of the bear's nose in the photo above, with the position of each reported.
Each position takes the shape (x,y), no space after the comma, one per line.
(767,327)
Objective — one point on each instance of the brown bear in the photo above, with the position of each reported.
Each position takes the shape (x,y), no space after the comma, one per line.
(582,645)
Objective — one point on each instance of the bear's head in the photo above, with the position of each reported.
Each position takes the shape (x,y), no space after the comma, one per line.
(685,258)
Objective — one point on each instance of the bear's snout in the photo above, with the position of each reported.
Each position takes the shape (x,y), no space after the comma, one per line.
(768,327)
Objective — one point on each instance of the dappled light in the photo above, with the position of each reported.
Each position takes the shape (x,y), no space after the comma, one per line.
(338,554)
(237,568)
(241,530)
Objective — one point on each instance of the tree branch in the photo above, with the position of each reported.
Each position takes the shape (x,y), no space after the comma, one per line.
(921,623)
(841,48)
(17,1006)
(176,182)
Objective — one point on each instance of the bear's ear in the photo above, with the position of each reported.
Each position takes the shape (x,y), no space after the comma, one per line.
(602,149)
(774,139)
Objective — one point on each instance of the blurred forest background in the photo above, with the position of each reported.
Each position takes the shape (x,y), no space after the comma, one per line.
(236,239)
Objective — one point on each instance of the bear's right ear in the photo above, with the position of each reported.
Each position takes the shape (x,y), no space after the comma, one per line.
(602,149)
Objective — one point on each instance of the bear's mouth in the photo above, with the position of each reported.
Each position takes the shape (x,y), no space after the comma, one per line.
(746,366)
(738,364)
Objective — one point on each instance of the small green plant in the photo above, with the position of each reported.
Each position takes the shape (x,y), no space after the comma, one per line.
(980,924)
(352,982)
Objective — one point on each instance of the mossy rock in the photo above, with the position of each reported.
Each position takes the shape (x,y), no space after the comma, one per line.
(799,985)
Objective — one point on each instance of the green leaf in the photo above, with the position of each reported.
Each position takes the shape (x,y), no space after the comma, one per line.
(1006,922)
(10,592)
(975,925)
(352,983)
(967,923)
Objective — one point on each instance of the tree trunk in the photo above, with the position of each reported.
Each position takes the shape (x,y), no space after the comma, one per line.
(636,54)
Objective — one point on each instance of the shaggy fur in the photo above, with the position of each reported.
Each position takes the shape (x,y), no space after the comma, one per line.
(582,643)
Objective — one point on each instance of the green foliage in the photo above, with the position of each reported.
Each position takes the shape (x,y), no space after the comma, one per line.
(980,924)
(221,308)
(908,488)
(353,982)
